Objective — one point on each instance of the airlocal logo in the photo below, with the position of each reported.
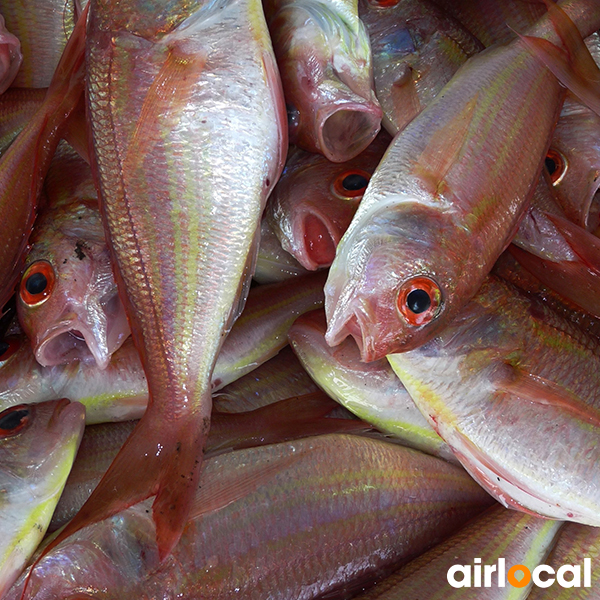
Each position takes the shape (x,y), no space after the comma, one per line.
(519,576)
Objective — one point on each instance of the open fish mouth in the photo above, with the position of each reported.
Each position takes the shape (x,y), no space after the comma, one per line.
(319,242)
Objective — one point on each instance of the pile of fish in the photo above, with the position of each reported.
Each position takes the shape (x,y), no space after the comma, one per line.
(299,300)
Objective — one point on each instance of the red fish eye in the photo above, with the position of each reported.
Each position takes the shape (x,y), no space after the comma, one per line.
(351,184)
(8,347)
(419,300)
(14,419)
(556,165)
(37,283)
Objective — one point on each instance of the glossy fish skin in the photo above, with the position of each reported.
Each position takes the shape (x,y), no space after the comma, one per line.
(518,538)
(390,504)
(447,198)
(162,82)
(324,57)
(10,56)
(417,48)
(372,391)
(43,29)
(80,316)
(17,107)
(310,209)
(24,164)
(575,543)
(36,454)
(273,263)
(513,389)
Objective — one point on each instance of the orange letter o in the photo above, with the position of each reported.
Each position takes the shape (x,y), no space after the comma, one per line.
(514,581)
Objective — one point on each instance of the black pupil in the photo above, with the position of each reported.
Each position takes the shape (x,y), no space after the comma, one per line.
(36,283)
(12,419)
(418,301)
(354,182)
(551,165)
(4,346)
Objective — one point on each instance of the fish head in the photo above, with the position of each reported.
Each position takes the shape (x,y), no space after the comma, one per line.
(326,71)
(315,200)
(392,287)
(38,443)
(68,303)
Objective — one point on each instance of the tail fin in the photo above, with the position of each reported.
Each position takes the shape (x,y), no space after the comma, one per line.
(572,65)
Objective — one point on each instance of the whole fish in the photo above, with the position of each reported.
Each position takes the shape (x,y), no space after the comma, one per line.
(371,391)
(162,82)
(315,200)
(43,28)
(324,57)
(281,421)
(273,263)
(497,534)
(448,195)
(343,507)
(38,444)
(25,163)
(68,303)
(513,389)
(417,48)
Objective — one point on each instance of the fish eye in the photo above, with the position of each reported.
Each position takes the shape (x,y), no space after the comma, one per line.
(351,184)
(556,165)
(419,300)
(8,347)
(37,283)
(14,419)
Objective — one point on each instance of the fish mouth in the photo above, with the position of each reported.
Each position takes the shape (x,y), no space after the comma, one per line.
(343,132)
(67,414)
(320,243)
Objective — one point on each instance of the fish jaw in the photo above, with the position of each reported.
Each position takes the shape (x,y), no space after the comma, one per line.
(10,56)
(385,254)
(325,64)
(36,463)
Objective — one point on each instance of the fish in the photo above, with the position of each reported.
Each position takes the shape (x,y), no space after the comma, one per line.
(11,56)
(43,29)
(273,263)
(314,201)
(344,507)
(280,377)
(17,107)
(25,163)
(512,388)
(163,81)
(281,421)
(371,391)
(324,58)
(575,543)
(68,304)
(497,534)
(417,48)
(448,195)
(38,444)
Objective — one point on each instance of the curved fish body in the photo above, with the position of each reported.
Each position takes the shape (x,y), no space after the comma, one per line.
(43,28)
(575,543)
(68,304)
(25,163)
(343,507)
(513,389)
(273,263)
(314,201)
(516,538)
(371,391)
(176,96)
(417,48)
(447,197)
(38,444)
(324,57)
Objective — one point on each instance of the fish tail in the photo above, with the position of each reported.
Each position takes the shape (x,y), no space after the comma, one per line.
(572,65)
